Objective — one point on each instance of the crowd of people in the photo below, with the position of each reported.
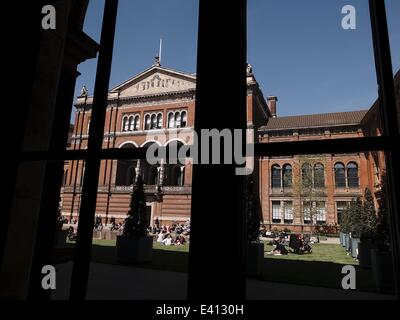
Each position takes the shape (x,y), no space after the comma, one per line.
(299,244)
(175,234)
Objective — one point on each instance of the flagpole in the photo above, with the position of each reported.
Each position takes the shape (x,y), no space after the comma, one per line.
(160,51)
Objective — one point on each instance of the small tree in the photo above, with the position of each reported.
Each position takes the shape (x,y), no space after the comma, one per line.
(355,217)
(305,187)
(135,224)
(368,217)
(253,212)
(345,220)
(382,225)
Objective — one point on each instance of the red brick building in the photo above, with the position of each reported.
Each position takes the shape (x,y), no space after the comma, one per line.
(160,102)
(143,110)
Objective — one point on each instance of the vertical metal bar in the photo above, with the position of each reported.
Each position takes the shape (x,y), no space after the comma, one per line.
(224,266)
(83,248)
(388,113)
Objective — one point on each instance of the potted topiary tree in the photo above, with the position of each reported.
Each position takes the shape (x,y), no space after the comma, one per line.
(355,226)
(255,248)
(381,254)
(135,245)
(368,230)
(60,235)
(345,227)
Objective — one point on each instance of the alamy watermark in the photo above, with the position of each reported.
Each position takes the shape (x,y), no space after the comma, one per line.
(349,21)
(209,146)
(349,280)
(49,18)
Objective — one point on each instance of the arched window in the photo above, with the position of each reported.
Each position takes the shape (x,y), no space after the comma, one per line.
(153,121)
(184,119)
(276,176)
(125,124)
(171,120)
(152,176)
(340,175)
(131,123)
(352,175)
(137,123)
(177,119)
(287,176)
(159,121)
(319,176)
(126,170)
(147,123)
(306,176)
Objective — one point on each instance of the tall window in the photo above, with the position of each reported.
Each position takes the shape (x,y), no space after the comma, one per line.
(306,176)
(276,211)
(184,119)
(287,176)
(341,206)
(340,175)
(137,123)
(125,124)
(147,124)
(177,119)
(288,211)
(319,176)
(153,122)
(131,123)
(321,212)
(307,209)
(276,176)
(352,175)
(159,121)
(171,120)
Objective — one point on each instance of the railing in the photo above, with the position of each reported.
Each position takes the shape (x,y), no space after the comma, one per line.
(128,189)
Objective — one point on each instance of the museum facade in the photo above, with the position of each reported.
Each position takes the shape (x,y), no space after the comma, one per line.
(158,106)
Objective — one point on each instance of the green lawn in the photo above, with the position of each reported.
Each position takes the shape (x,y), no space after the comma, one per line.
(321,252)
(320,268)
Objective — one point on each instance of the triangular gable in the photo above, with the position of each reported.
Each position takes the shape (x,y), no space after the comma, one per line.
(156,80)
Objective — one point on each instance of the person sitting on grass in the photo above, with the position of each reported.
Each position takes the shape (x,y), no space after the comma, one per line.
(279,248)
(180,240)
(168,240)
(160,237)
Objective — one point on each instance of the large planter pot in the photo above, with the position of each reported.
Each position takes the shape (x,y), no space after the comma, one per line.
(364,254)
(61,237)
(341,237)
(354,247)
(382,269)
(347,242)
(254,259)
(134,249)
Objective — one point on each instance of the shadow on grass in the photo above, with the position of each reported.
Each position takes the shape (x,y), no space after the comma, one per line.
(301,272)
(313,273)
(162,259)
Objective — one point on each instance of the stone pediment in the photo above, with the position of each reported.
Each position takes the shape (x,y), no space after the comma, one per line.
(156,80)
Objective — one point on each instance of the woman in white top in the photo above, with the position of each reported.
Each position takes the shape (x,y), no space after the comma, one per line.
(168,240)
(160,237)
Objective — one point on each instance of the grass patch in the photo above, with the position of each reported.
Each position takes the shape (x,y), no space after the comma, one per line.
(321,252)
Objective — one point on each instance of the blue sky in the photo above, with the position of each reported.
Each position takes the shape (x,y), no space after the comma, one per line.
(298,49)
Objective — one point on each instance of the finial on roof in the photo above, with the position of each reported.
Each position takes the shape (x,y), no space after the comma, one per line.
(249,69)
(84,91)
(157,62)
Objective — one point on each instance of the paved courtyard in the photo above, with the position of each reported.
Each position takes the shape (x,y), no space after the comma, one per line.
(118,282)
